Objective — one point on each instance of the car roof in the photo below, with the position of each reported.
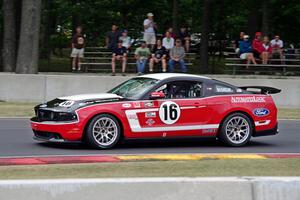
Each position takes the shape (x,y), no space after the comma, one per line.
(162,76)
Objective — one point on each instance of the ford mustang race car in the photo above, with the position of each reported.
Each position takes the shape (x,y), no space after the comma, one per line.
(159,106)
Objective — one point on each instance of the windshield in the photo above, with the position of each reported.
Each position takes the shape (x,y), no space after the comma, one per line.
(134,88)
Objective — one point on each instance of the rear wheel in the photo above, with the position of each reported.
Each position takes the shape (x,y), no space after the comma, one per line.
(236,130)
(103,132)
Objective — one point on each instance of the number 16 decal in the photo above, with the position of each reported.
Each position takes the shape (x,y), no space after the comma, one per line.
(169,112)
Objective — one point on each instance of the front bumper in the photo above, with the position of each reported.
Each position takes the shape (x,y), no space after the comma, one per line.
(58,132)
(273,131)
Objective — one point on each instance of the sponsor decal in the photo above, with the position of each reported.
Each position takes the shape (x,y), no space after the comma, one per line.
(150,114)
(126,105)
(248,99)
(223,89)
(66,104)
(137,104)
(132,116)
(209,131)
(150,122)
(209,88)
(261,112)
(149,104)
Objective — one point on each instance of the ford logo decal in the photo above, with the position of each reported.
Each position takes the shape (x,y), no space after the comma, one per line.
(260,112)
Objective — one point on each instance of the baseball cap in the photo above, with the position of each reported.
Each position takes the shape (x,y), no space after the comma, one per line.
(246,37)
(125,31)
(150,15)
(258,34)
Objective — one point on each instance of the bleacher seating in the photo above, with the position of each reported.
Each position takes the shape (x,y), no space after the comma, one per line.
(98,59)
(288,66)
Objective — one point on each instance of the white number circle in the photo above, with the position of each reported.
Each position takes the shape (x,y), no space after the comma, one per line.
(169,112)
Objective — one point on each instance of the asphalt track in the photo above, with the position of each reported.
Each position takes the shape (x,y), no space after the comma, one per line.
(16,140)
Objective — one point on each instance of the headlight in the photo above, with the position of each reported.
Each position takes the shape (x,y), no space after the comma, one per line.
(62,116)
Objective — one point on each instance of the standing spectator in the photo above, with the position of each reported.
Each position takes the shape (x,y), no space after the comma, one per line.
(236,43)
(267,50)
(168,41)
(126,40)
(159,56)
(78,44)
(277,46)
(112,38)
(141,55)
(257,45)
(184,36)
(149,30)
(119,54)
(177,55)
(246,51)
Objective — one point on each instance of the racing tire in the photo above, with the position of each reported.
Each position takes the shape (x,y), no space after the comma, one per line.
(103,132)
(236,130)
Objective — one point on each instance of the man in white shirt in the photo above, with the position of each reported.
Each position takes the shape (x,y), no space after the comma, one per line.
(149,30)
(168,41)
(277,46)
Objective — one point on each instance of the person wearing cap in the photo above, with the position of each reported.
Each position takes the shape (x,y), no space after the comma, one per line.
(126,40)
(257,45)
(119,54)
(277,46)
(141,55)
(149,30)
(245,51)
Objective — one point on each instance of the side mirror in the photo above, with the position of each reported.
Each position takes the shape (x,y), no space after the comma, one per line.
(157,95)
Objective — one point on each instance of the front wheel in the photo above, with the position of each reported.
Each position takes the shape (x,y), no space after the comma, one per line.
(236,130)
(103,132)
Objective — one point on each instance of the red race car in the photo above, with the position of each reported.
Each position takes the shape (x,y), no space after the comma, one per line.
(159,106)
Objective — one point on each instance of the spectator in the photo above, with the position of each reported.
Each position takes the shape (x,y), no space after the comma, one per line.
(168,41)
(236,43)
(257,45)
(177,55)
(159,56)
(112,38)
(119,54)
(267,50)
(277,46)
(78,44)
(184,36)
(141,55)
(149,30)
(172,34)
(126,40)
(246,51)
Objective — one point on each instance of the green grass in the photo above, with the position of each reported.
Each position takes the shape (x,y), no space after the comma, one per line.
(202,168)
(13,109)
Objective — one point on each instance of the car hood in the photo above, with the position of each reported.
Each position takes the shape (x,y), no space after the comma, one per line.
(82,97)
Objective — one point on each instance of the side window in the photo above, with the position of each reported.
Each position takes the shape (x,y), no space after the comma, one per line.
(223,89)
(181,89)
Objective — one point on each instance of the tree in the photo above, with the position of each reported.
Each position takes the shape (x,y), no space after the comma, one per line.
(205,35)
(175,16)
(266,9)
(28,52)
(9,36)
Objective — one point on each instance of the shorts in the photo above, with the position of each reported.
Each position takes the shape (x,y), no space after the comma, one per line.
(150,38)
(77,53)
(244,56)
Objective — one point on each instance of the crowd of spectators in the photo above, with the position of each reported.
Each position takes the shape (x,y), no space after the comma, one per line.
(260,48)
(164,52)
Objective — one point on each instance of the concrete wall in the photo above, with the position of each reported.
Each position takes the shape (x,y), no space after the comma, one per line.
(251,188)
(39,88)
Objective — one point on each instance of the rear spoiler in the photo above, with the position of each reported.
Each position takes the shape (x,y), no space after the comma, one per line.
(263,89)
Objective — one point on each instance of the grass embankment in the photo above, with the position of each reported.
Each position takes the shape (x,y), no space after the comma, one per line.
(202,168)
(10,109)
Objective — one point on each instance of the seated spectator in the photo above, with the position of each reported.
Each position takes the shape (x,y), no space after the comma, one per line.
(159,56)
(168,41)
(267,50)
(177,55)
(141,55)
(277,46)
(257,45)
(245,50)
(184,36)
(236,43)
(126,40)
(119,54)
(172,34)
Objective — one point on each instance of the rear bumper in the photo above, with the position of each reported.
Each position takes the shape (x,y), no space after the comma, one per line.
(273,131)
